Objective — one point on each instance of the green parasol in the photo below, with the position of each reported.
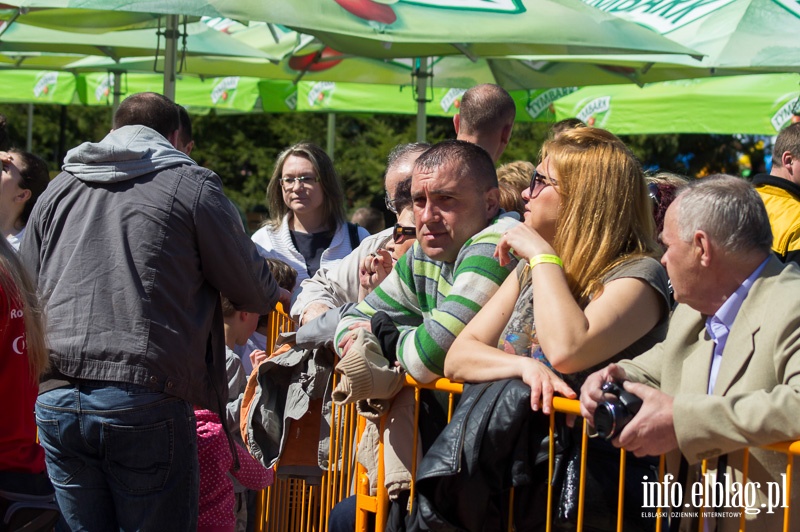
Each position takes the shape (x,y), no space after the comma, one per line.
(761,104)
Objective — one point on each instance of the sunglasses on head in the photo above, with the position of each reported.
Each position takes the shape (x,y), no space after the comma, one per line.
(401,231)
(654,192)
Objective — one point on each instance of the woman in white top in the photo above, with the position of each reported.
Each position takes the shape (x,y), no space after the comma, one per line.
(307,227)
(24,178)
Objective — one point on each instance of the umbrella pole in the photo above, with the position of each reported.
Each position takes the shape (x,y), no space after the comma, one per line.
(117,91)
(422,79)
(331,140)
(29,136)
(170,56)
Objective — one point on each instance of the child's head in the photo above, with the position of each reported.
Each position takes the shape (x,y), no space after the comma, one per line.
(239,324)
(284,275)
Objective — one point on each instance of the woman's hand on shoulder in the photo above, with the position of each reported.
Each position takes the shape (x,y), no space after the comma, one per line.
(523,242)
(544,384)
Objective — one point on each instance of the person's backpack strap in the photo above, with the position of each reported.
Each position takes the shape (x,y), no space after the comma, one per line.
(352,229)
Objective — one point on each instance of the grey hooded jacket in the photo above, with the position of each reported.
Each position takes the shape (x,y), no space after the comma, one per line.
(131,245)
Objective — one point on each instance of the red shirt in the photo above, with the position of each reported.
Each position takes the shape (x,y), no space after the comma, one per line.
(18,390)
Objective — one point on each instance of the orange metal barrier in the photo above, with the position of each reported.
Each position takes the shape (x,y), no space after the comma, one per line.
(294,505)
(378,504)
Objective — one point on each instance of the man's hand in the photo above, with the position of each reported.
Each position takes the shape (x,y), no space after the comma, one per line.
(312,311)
(257,356)
(347,340)
(651,432)
(284,298)
(591,392)
(374,268)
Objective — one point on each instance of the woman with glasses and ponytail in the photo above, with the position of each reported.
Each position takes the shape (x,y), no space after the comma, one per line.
(589,290)
(307,227)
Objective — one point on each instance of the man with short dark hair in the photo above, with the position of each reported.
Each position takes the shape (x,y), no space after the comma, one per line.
(450,272)
(338,285)
(185,140)
(727,375)
(486,117)
(780,190)
(132,244)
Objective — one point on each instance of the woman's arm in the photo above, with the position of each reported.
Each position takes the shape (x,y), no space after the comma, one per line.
(574,339)
(473,357)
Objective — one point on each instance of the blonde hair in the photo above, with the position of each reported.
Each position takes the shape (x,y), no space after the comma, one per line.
(19,288)
(606,214)
(510,198)
(517,174)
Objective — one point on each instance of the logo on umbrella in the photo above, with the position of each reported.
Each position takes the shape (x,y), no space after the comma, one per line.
(223,89)
(320,93)
(542,101)
(291,100)
(103,88)
(660,16)
(380,13)
(45,84)
(450,98)
(784,115)
(595,107)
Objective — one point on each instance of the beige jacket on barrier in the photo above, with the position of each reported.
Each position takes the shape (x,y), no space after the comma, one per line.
(756,400)
(376,386)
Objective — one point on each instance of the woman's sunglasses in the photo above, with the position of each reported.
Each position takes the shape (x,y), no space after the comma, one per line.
(401,231)
(539,182)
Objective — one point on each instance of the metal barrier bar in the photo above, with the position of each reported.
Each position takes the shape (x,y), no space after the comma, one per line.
(291,505)
(370,504)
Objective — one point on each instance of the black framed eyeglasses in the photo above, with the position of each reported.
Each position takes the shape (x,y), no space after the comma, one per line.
(539,182)
(304,180)
(401,231)
(390,204)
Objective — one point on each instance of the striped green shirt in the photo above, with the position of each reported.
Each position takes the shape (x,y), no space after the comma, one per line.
(430,301)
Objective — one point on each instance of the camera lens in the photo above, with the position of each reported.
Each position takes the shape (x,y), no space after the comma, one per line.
(606,418)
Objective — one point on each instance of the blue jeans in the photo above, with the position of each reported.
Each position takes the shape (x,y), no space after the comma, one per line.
(120,456)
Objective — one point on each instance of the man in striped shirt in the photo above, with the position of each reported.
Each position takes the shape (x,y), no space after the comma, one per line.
(450,272)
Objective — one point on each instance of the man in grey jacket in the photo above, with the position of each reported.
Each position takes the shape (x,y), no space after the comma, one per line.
(131,246)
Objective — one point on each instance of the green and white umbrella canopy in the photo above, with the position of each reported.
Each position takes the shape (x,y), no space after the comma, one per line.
(339,97)
(29,86)
(757,35)
(420,28)
(200,40)
(761,104)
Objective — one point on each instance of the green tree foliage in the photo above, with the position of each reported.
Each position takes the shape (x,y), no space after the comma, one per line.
(242,149)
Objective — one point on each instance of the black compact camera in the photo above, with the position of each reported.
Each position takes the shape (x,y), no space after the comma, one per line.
(611,415)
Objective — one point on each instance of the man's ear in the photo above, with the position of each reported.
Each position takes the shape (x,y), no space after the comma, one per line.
(505,134)
(703,248)
(492,202)
(23,196)
(457,122)
(786,160)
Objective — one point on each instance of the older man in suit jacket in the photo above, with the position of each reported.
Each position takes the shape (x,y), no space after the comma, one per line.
(726,377)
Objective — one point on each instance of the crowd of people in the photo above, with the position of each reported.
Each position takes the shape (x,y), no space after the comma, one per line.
(135,310)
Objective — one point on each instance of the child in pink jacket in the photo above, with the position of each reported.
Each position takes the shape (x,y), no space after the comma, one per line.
(216,489)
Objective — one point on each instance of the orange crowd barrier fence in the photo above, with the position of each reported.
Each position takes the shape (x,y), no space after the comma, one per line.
(294,505)
(378,504)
